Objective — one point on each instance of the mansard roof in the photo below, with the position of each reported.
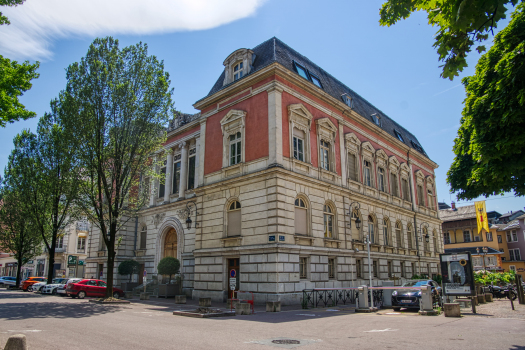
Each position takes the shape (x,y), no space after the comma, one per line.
(275,51)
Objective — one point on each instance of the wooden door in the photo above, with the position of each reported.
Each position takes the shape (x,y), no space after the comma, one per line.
(141,273)
(233,264)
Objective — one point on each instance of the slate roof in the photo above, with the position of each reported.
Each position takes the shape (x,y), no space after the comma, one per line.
(511,214)
(275,51)
(472,250)
(511,225)
(461,213)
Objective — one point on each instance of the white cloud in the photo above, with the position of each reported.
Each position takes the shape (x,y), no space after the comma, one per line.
(37,23)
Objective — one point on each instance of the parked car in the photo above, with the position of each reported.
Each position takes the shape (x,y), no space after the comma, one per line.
(410,298)
(62,288)
(27,285)
(91,288)
(7,281)
(53,287)
(37,287)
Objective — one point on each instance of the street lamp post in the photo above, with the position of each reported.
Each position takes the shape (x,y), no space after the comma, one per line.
(427,239)
(367,242)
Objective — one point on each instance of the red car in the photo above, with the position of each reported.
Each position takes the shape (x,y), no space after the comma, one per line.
(91,288)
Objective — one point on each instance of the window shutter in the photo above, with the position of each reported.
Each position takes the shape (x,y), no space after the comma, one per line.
(234,223)
(298,133)
(301,226)
(393,184)
(352,173)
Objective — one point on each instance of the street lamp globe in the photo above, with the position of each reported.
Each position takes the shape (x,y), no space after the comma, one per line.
(188,222)
(358,223)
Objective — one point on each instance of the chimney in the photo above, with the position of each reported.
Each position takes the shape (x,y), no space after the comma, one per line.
(453,205)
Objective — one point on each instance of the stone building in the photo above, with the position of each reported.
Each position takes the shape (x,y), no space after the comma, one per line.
(279,163)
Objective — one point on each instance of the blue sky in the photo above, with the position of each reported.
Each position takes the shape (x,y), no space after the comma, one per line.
(395,68)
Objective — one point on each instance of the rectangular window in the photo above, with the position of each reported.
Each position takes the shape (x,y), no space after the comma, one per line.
(162,182)
(358,268)
(374,268)
(414,271)
(235,148)
(325,160)
(476,261)
(466,236)
(402,267)
(60,242)
(352,169)
(500,239)
(191,173)
(143,238)
(301,226)
(298,144)
(490,261)
(512,268)
(404,188)
(511,255)
(316,80)
(515,254)
(509,237)
(331,268)
(389,268)
(301,71)
(489,236)
(176,177)
(381,179)
(430,199)
(514,236)
(446,237)
(420,199)
(367,175)
(393,184)
(303,267)
(81,245)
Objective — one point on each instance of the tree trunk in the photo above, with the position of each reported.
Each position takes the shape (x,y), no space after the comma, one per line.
(111,264)
(51,255)
(18,270)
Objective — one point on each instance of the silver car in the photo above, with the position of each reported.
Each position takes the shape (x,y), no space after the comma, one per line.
(8,281)
(53,287)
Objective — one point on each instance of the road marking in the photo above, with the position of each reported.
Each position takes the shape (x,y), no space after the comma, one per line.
(381,330)
(305,315)
(26,330)
(332,310)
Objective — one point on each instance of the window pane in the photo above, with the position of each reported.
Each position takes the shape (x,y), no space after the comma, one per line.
(234,223)
(176,178)
(162,185)
(352,173)
(143,237)
(316,81)
(301,71)
(191,173)
(301,225)
(232,154)
(300,150)
(238,152)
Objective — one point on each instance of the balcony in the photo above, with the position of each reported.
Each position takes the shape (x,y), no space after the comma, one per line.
(82,226)
(61,249)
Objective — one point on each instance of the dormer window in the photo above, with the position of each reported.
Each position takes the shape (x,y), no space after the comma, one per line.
(376,119)
(237,71)
(417,146)
(316,81)
(301,70)
(305,73)
(348,100)
(398,135)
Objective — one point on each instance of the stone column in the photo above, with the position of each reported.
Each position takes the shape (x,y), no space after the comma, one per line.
(152,183)
(342,153)
(183,169)
(169,177)
(197,162)
(275,126)
(412,187)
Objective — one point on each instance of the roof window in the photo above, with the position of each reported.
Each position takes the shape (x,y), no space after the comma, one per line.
(417,146)
(376,119)
(348,100)
(398,135)
(305,73)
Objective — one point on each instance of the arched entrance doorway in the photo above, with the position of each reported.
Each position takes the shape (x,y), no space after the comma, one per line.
(170,244)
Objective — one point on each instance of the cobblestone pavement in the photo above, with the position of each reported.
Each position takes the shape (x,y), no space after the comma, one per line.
(498,309)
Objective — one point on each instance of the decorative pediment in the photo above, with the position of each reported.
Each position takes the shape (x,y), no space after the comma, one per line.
(299,113)
(367,148)
(430,179)
(393,161)
(326,123)
(232,120)
(405,167)
(351,138)
(419,174)
(326,130)
(381,154)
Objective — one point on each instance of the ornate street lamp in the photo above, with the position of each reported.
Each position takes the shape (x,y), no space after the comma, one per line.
(186,212)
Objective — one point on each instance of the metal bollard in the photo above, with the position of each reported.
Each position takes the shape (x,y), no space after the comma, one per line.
(426,307)
(362,299)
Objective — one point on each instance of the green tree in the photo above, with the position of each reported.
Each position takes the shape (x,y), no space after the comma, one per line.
(15,79)
(461,24)
(128,267)
(168,266)
(43,167)
(115,106)
(17,234)
(490,146)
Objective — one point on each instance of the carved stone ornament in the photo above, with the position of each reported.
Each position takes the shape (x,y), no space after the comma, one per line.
(183,214)
(157,219)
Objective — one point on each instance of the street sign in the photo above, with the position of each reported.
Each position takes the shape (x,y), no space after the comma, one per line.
(146,273)
(80,262)
(233,283)
(71,260)
(233,273)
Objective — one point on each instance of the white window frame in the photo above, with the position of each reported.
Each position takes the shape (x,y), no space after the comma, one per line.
(326,131)
(329,221)
(367,173)
(353,145)
(381,179)
(324,155)
(232,123)
(300,119)
(238,70)
(469,236)
(236,142)
(81,248)
(513,257)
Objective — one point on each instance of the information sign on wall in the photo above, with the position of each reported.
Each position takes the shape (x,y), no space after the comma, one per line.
(458,274)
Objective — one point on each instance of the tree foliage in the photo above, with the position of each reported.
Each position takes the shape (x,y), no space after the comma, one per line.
(17,234)
(15,79)
(4,19)
(461,25)
(128,267)
(490,146)
(168,266)
(115,106)
(43,169)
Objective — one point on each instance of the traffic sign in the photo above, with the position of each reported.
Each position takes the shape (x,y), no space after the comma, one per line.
(233,283)
(145,273)
(233,273)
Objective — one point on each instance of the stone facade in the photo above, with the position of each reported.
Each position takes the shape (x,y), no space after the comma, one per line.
(282,212)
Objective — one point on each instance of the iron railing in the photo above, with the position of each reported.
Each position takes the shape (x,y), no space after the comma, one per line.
(329,297)
(377,294)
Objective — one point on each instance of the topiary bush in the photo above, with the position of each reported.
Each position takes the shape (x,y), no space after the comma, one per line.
(128,267)
(168,266)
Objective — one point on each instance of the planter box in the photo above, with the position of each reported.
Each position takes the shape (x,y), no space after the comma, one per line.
(168,290)
(128,286)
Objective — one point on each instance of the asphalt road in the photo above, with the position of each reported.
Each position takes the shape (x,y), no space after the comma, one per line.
(53,322)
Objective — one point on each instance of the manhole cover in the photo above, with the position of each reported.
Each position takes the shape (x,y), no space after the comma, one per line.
(286,341)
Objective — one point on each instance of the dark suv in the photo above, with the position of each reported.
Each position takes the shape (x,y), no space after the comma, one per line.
(410,298)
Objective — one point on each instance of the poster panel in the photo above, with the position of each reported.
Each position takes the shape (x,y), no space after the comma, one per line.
(458,274)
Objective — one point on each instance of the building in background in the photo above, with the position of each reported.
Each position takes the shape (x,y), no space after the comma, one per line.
(510,216)
(512,238)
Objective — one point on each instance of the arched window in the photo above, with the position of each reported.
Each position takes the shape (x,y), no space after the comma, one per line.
(143,237)
(386,232)
(399,236)
(356,233)
(301,217)
(234,219)
(371,229)
(409,237)
(328,220)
